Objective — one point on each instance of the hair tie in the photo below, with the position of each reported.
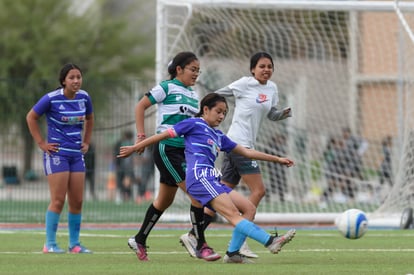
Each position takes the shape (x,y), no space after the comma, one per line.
(169,64)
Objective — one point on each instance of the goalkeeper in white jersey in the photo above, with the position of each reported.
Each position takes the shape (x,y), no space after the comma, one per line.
(256,97)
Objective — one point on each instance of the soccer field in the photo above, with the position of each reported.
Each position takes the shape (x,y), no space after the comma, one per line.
(312,251)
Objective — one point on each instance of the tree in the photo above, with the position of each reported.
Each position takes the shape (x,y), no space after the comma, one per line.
(39,36)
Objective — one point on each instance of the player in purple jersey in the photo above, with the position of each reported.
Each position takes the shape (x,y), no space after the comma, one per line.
(68,112)
(203,142)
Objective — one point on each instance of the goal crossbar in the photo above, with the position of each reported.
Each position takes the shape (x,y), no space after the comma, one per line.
(340,64)
(297,5)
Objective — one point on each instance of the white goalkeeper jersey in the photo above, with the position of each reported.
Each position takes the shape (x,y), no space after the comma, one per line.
(253,102)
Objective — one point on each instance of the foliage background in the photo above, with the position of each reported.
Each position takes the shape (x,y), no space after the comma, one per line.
(112,41)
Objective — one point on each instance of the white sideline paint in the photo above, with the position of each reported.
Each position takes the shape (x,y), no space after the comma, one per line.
(407,250)
(374,220)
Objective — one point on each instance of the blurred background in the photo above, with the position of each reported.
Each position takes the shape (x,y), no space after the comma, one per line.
(113,42)
(344,67)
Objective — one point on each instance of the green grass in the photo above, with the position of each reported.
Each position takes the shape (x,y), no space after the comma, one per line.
(93,211)
(310,252)
(26,211)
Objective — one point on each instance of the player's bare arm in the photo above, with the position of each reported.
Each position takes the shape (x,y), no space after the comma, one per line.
(253,154)
(126,151)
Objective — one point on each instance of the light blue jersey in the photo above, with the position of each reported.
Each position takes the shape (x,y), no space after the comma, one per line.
(65,118)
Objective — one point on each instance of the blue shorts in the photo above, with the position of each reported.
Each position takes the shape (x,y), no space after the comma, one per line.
(235,165)
(206,189)
(63,163)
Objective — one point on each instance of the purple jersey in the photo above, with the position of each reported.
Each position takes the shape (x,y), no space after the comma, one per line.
(65,118)
(202,145)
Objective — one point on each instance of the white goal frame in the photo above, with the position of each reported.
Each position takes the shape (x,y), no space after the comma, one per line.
(165,50)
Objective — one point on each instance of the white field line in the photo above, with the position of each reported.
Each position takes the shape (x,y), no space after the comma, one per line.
(285,250)
(320,250)
(210,234)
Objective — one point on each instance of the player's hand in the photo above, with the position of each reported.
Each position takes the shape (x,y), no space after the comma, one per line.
(84,147)
(286,112)
(49,148)
(125,151)
(141,150)
(285,161)
(275,115)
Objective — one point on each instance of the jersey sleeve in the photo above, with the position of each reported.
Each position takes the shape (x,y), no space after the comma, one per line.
(183,127)
(88,105)
(235,88)
(43,105)
(275,97)
(227,145)
(225,91)
(157,94)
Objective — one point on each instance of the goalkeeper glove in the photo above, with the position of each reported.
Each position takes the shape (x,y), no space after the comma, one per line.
(275,115)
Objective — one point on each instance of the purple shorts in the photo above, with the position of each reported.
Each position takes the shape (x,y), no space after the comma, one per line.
(58,163)
(206,189)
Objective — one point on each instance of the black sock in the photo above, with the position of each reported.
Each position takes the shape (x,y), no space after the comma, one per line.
(207,220)
(232,253)
(269,241)
(151,218)
(197,220)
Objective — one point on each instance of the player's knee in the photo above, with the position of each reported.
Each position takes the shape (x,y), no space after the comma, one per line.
(250,212)
(162,205)
(57,205)
(259,193)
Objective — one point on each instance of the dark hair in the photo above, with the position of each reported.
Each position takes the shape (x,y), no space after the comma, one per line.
(65,70)
(257,56)
(182,59)
(210,101)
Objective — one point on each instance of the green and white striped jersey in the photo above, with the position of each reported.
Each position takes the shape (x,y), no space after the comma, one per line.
(176,102)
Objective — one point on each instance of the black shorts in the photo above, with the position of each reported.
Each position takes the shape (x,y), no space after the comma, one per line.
(235,165)
(170,161)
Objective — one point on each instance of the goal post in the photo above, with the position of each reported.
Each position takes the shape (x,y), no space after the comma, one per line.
(339,65)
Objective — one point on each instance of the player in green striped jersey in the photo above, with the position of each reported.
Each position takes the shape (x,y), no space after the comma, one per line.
(176,101)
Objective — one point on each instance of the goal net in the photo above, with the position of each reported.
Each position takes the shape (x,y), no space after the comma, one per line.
(341,66)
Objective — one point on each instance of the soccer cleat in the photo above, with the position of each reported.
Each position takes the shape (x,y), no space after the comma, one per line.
(189,242)
(207,253)
(236,259)
(245,251)
(139,249)
(77,249)
(53,249)
(279,241)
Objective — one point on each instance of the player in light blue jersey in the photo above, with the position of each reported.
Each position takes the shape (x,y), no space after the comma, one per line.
(69,113)
(176,101)
(203,142)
